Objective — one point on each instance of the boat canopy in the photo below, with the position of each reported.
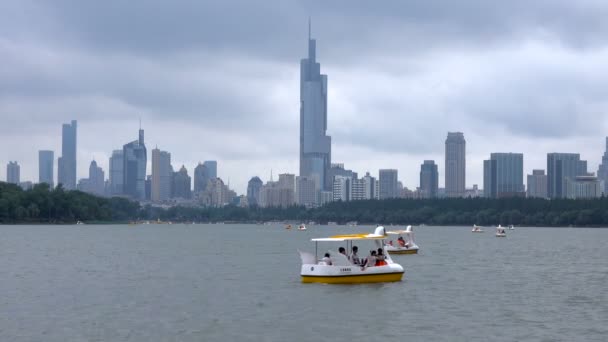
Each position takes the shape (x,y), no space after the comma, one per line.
(349,237)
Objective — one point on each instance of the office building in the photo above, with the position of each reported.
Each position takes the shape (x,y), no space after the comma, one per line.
(116,175)
(560,168)
(602,171)
(389,184)
(96,181)
(455,165)
(13,173)
(135,158)
(66,165)
(537,184)
(306,192)
(429,179)
(182,184)
(584,187)
(503,175)
(162,176)
(253,190)
(315,144)
(342,189)
(46,164)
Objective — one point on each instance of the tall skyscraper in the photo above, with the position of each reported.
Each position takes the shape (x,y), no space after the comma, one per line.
(253,190)
(562,167)
(537,184)
(162,175)
(389,183)
(66,165)
(503,175)
(117,172)
(46,162)
(602,171)
(200,177)
(315,144)
(13,173)
(429,179)
(455,165)
(96,184)
(134,168)
(182,184)
(212,168)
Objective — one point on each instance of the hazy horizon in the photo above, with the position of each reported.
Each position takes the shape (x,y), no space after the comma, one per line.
(220,81)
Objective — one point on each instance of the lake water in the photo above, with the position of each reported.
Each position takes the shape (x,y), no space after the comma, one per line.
(241,283)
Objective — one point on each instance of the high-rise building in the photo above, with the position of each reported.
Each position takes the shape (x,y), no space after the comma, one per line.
(135,158)
(13,173)
(537,184)
(602,171)
(337,169)
(212,167)
(203,173)
(315,144)
(389,184)
(46,162)
(148,188)
(342,189)
(274,195)
(96,179)
(66,165)
(116,184)
(306,192)
(253,190)
(162,175)
(287,181)
(584,187)
(182,184)
(560,168)
(216,194)
(503,175)
(455,165)
(429,179)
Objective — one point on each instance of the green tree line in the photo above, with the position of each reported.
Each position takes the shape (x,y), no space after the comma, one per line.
(45,205)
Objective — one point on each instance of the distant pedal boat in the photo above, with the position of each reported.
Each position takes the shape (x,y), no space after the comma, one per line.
(408,246)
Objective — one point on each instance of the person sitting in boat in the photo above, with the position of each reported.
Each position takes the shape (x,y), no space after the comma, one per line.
(390,242)
(380,258)
(401,241)
(342,251)
(354,258)
(326,259)
(370,260)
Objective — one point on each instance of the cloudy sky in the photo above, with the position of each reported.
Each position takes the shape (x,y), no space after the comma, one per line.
(219,80)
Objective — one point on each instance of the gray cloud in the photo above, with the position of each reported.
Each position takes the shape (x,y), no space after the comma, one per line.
(219,80)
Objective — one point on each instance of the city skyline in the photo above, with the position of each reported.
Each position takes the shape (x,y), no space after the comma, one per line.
(390,105)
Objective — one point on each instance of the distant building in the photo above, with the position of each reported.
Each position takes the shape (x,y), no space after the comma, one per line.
(602,171)
(503,175)
(473,192)
(216,194)
(66,165)
(148,188)
(584,187)
(162,176)
(13,173)
(116,184)
(306,192)
(96,179)
(46,162)
(182,184)
(274,194)
(337,169)
(388,184)
(253,190)
(27,185)
(211,166)
(287,181)
(560,168)
(537,184)
(325,197)
(342,189)
(134,168)
(365,188)
(315,144)
(429,179)
(455,165)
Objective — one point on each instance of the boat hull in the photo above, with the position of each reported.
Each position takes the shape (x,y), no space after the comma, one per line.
(403,251)
(354,279)
(350,274)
